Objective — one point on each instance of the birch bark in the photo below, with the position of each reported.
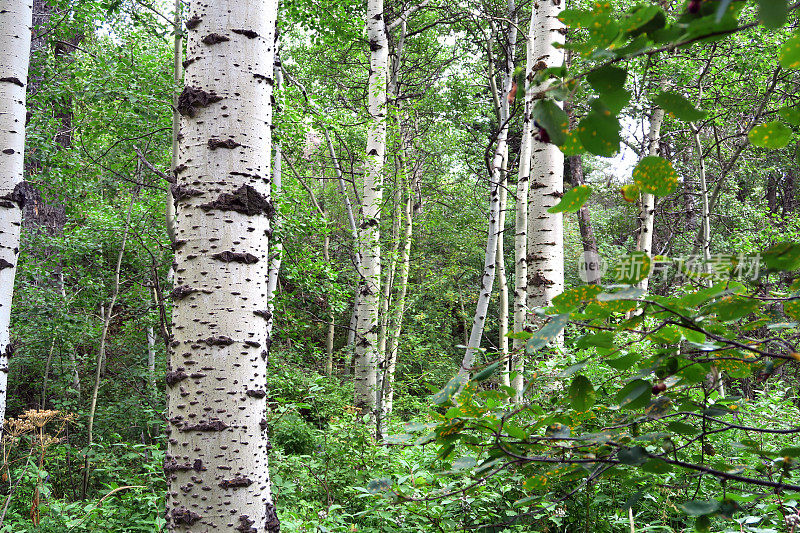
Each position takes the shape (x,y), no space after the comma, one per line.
(644,240)
(495,182)
(545,230)
(366,348)
(216,463)
(15,41)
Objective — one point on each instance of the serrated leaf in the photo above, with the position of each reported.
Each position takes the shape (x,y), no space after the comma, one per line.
(599,133)
(679,107)
(607,78)
(772,135)
(572,200)
(635,394)
(790,115)
(655,175)
(581,393)
(553,119)
(546,334)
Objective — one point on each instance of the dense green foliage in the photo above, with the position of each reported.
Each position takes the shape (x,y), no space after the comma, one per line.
(661,411)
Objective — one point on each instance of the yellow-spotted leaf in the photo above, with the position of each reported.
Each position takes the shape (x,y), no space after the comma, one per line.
(771,135)
(572,145)
(789,56)
(630,192)
(792,308)
(655,175)
(572,200)
(679,107)
(574,297)
(549,332)
(790,115)
(599,133)
(537,482)
(552,119)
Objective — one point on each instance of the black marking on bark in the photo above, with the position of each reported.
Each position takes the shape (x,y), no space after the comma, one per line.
(197,375)
(178,244)
(254,344)
(9,151)
(272,523)
(220,340)
(263,424)
(258,394)
(182,291)
(373,152)
(245,524)
(171,465)
(185,63)
(230,144)
(374,46)
(180,168)
(5,264)
(209,425)
(176,376)
(264,355)
(193,22)
(12,79)
(538,280)
(265,314)
(245,200)
(182,192)
(369,222)
(240,481)
(265,78)
(192,99)
(183,515)
(214,38)
(16,197)
(236,257)
(9,353)
(250,34)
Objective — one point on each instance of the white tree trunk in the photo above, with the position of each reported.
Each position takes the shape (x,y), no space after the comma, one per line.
(216,463)
(502,280)
(151,357)
(495,181)
(15,41)
(644,240)
(545,230)
(521,222)
(366,354)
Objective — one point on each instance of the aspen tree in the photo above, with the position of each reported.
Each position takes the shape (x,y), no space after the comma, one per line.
(16,17)
(545,264)
(366,345)
(216,462)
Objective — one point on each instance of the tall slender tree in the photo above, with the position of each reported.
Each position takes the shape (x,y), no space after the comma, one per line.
(216,462)
(15,42)
(366,349)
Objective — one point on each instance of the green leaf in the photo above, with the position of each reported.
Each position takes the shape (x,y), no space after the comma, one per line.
(792,308)
(604,339)
(581,393)
(782,256)
(379,486)
(574,297)
(625,362)
(487,372)
(655,175)
(549,332)
(730,308)
(789,55)
(681,428)
(398,438)
(553,119)
(572,200)
(635,394)
(537,482)
(607,79)
(773,13)
(449,390)
(772,135)
(634,456)
(557,431)
(657,466)
(639,18)
(616,101)
(679,107)
(630,192)
(699,507)
(572,145)
(790,115)
(599,133)
(702,524)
